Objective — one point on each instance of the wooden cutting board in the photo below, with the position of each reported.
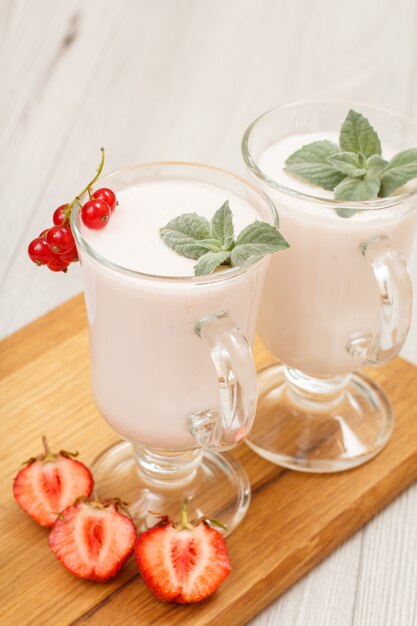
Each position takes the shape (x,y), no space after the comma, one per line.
(294,521)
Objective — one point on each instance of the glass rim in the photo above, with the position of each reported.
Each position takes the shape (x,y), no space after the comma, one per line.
(206,278)
(380,203)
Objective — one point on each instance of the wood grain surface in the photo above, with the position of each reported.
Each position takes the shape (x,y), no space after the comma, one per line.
(182,79)
(294,521)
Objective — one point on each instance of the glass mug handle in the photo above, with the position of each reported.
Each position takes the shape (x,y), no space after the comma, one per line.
(236,373)
(395,290)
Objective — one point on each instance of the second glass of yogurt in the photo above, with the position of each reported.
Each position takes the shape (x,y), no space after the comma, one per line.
(338,299)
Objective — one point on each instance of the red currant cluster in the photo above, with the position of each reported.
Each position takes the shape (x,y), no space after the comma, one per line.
(55,246)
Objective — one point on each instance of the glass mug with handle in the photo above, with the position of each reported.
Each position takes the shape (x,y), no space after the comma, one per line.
(338,299)
(171,365)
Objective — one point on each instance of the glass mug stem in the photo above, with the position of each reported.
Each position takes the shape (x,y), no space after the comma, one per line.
(306,390)
(232,357)
(395,291)
(167,469)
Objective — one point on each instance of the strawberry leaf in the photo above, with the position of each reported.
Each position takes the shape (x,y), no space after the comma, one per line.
(215,522)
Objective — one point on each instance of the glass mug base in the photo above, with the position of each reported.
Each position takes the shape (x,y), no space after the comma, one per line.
(152,481)
(323,426)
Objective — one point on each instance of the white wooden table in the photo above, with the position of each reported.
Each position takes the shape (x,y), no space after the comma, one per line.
(181,79)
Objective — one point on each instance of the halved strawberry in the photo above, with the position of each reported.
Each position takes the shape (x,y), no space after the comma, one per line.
(93,539)
(184,563)
(49,483)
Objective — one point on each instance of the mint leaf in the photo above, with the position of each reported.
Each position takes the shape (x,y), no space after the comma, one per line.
(400,170)
(311,164)
(222,225)
(349,163)
(260,232)
(192,225)
(214,245)
(189,235)
(251,251)
(209,261)
(343,212)
(374,166)
(357,135)
(255,241)
(357,189)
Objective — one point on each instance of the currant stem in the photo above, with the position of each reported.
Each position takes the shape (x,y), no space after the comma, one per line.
(86,188)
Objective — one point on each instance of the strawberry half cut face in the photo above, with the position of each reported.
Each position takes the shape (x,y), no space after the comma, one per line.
(93,539)
(182,565)
(50,483)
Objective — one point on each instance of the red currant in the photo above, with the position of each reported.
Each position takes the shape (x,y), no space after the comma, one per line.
(44,233)
(39,251)
(60,239)
(70,257)
(57,264)
(95,214)
(59,215)
(107,195)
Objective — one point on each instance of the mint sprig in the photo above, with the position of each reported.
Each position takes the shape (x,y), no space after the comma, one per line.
(354,169)
(213,244)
